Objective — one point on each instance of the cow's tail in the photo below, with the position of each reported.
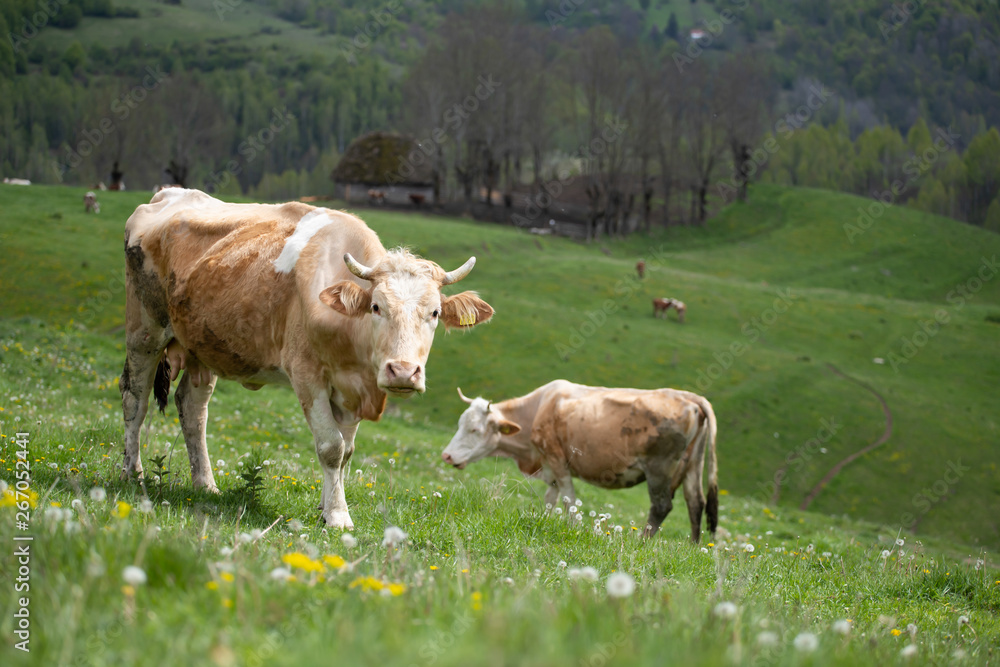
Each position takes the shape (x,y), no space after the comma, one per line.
(712,499)
(161,384)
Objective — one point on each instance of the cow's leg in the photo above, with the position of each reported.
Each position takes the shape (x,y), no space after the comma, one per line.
(661,497)
(144,343)
(332,452)
(694,495)
(194,391)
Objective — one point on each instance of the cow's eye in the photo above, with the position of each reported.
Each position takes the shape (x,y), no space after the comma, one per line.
(375,309)
(435,314)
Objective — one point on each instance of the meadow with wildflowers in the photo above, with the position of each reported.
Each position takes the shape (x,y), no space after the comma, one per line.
(465,567)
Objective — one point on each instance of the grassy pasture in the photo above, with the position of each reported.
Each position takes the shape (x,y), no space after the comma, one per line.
(480,577)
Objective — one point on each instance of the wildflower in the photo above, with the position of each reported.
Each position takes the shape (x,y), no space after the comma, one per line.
(593,513)
(620,585)
(348,540)
(561,563)
(767,639)
(566,500)
(436,494)
(895,632)
(302,561)
(281,574)
(122,510)
(748,548)
(295,525)
(912,630)
(367,584)
(256,534)
(586,573)
(885,553)
(98,494)
(726,610)
(336,562)
(806,642)
(226,552)
(573,509)
(618,529)
(393,537)
(245,538)
(76,503)
(166,503)
(133,576)
(963,620)
(579,503)
(220,463)
(145,505)
(704,550)
(900,541)
(395,589)
(842,627)
(557,510)
(908,651)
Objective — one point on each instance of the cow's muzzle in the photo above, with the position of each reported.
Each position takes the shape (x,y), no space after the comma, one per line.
(403,378)
(446,457)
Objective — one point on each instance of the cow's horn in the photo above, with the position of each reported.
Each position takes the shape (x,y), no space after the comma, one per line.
(459,273)
(463,396)
(357,268)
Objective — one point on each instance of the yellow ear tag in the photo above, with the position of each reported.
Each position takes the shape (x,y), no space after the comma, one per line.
(467,320)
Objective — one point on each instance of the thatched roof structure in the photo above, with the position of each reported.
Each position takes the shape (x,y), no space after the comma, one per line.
(380,158)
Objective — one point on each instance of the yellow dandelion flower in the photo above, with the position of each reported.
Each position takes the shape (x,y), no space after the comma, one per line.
(397,589)
(335,562)
(122,510)
(367,584)
(434,567)
(11,498)
(896,632)
(227,576)
(302,561)
(227,603)
(212,585)
(129,591)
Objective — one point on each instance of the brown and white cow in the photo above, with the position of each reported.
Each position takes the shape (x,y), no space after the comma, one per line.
(611,438)
(285,294)
(662,305)
(90,203)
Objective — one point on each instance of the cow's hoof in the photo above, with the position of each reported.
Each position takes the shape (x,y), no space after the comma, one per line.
(340,520)
(207,487)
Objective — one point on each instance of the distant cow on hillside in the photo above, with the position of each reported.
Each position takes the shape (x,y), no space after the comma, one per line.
(640,268)
(612,438)
(661,306)
(90,203)
(376,197)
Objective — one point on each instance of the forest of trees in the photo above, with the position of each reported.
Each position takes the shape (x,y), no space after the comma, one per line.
(535,99)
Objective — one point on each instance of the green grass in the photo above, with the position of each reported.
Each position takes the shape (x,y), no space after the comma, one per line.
(482,563)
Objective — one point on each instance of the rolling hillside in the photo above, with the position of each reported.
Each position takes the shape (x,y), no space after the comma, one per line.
(574,311)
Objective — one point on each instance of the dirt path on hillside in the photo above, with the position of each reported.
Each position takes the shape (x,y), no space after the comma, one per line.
(811,496)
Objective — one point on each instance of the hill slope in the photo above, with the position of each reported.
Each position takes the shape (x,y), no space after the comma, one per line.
(566,310)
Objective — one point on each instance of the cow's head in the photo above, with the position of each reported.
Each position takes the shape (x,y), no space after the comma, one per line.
(404,305)
(479,431)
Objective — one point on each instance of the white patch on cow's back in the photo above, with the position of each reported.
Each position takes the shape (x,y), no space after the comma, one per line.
(305,229)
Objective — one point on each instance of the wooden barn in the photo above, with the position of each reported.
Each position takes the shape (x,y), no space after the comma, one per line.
(384,168)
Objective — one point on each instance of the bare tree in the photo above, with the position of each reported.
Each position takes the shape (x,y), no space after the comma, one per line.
(196,126)
(745,100)
(705,135)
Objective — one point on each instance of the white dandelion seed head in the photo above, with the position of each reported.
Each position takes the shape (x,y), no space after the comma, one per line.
(842,627)
(963,620)
(565,499)
(295,525)
(587,573)
(620,585)
(226,552)
(245,538)
(436,494)
(826,554)
(134,576)
(908,651)
(704,550)
(166,503)
(748,548)
(912,629)
(220,464)
(146,505)
(348,540)
(767,638)
(98,494)
(280,574)
(392,462)
(394,536)
(885,554)
(806,642)
(959,654)
(618,529)
(573,509)
(76,503)
(593,513)
(256,534)
(900,541)
(726,610)
(561,563)
(579,503)
(371,493)
(557,510)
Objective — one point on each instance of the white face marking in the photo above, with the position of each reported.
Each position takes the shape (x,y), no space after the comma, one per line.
(408,290)
(477,434)
(306,228)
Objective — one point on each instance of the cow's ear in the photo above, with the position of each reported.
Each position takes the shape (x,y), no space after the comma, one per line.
(508,428)
(347,298)
(464,310)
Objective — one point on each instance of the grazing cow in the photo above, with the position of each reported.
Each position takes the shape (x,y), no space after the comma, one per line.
(640,268)
(376,197)
(612,438)
(661,306)
(17,181)
(276,294)
(90,203)
(417,199)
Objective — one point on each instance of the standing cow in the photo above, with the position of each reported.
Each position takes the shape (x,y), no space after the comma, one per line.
(276,294)
(612,438)
(662,305)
